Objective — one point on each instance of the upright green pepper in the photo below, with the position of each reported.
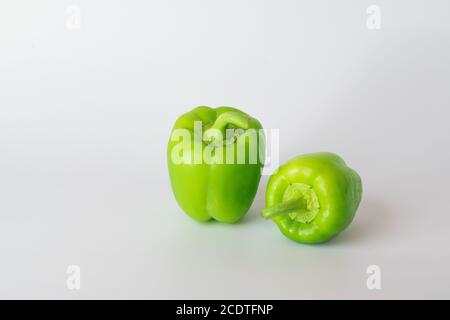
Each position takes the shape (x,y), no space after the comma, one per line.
(215,159)
(313,197)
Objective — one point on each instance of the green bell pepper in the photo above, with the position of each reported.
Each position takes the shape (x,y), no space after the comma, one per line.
(218,175)
(313,197)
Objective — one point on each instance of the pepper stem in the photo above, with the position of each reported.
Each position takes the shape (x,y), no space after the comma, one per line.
(299,201)
(217,132)
(282,208)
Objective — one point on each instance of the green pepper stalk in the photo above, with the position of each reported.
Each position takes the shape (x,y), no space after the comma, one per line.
(217,177)
(313,197)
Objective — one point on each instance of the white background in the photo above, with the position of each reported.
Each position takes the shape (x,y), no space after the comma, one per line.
(85,115)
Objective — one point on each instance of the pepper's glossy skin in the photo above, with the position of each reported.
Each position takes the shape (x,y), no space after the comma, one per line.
(338,189)
(223,192)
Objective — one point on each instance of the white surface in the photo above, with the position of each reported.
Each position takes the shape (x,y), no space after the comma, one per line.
(85,115)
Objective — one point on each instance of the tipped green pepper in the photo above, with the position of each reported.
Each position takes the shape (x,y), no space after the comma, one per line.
(313,197)
(215,159)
